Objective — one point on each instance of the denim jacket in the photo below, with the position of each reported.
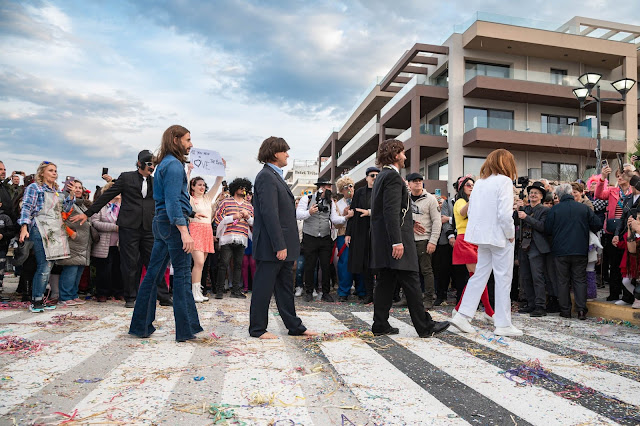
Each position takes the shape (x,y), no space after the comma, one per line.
(170,196)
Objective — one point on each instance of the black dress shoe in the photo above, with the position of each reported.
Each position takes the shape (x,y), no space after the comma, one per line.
(367,300)
(538,312)
(130,304)
(327,298)
(565,314)
(438,302)
(553,307)
(308,297)
(219,295)
(343,298)
(166,302)
(526,310)
(238,295)
(438,327)
(582,315)
(392,330)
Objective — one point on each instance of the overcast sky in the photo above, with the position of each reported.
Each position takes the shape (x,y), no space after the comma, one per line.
(88,84)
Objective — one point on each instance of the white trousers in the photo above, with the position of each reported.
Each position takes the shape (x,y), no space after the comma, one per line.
(500,260)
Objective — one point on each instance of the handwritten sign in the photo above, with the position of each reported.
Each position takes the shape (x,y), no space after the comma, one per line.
(206,163)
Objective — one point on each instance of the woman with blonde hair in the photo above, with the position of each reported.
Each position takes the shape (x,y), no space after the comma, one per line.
(41,222)
(491,228)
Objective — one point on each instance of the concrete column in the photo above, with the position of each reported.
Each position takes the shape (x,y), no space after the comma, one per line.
(456,108)
(630,112)
(414,165)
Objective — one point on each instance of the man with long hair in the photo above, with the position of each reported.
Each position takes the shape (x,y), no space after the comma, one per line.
(172,241)
(275,243)
(134,225)
(395,253)
(491,228)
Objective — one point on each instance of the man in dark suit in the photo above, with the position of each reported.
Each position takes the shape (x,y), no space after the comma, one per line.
(533,251)
(275,243)
(394,251)
(134,225)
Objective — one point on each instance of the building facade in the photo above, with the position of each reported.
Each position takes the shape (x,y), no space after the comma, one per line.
(496,82)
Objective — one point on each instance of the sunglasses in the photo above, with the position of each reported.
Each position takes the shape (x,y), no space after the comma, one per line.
(372,175)
(468,185)
(347,186)
(148,163)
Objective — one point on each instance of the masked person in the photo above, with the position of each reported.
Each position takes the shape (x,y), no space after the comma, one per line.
(319,213)
(234,219)
(134,225)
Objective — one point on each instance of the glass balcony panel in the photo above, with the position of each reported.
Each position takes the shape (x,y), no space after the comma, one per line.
(534,76)
(357,141)
(416,80)
(537,127)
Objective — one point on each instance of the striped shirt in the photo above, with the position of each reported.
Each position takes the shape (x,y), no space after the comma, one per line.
(231,230)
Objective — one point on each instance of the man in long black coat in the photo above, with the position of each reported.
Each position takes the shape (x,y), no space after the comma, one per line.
(275,243)
(358,235)
(393,247)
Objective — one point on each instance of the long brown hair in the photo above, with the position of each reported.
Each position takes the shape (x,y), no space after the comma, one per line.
(499,162)
(168,146)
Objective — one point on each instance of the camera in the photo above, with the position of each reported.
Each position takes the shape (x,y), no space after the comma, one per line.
(522,182)
(323,200)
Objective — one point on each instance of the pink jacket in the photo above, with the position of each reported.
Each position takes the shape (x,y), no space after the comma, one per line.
(612,194)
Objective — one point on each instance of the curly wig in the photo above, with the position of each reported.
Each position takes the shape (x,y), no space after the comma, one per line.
(239,183)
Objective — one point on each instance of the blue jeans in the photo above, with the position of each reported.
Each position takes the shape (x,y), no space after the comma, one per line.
(41,277)
(345,278)
(167,245)
(69,281)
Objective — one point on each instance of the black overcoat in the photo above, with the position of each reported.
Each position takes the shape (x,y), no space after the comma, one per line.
(359,229)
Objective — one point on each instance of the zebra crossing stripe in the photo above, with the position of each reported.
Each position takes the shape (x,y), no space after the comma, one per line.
(128,393)
(542,332)
(27,328)
(9,312)
(32,374)
(609,384)
(258,382)
(377,383)
(531,403)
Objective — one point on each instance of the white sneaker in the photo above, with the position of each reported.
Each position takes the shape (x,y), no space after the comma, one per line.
(462,324)
(298,291)
(507,331)
(636,304)
(621,303)
(486,318)
(315,293)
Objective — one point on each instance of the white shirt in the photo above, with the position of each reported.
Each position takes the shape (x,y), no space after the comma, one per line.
(302,212)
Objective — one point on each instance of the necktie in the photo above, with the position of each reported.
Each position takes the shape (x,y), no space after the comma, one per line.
(144,187)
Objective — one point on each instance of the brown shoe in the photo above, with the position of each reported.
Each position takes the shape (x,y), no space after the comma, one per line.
(102,299)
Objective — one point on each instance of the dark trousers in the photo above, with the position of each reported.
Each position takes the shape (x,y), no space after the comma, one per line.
(442,269)
(425,261)
(210,269)
(135,251)
(383,299)
(317,249)
(572,269)
(273,278)
(615,257)
(532,276)
(3,264)
(108,276)
(460,279)
(228,253)
(551,276)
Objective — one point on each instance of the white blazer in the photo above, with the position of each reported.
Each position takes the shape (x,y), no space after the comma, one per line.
(491,212)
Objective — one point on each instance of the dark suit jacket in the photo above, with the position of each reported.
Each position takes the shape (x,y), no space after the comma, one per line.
(274,226)
(536,218)
(569,224)
(134,210)
(389,203)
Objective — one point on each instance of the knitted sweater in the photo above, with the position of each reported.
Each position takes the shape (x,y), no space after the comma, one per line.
(230,230)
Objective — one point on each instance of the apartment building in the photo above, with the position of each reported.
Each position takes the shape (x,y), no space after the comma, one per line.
(302,177)
(496,82)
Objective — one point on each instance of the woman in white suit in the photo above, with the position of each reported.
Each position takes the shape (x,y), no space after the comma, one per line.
(491,228)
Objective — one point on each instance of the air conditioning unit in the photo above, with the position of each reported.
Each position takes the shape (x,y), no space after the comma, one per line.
(444,130)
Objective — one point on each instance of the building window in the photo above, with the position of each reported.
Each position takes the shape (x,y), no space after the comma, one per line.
(438,125)
(473,69)
(560,171)
(472,165)
(439,170)
(443,79)
(487,118)
(558,76)
(590,171)
(557,125)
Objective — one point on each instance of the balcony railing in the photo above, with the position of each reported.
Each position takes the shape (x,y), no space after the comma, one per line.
(435,130)
(357,141)
(576,130)
(404,136)
(416,80)
(535,76)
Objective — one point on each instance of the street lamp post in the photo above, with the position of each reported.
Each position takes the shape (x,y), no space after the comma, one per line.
(590,80)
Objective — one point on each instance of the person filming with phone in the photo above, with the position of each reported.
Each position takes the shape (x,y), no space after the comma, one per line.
(615,196)
(134,225)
